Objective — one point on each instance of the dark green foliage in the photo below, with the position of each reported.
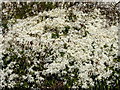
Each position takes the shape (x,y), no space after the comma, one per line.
(85,33)
(38,67)
(71,16)
(71,63)
(102,85)
(65,46)
(55,35)
(49,6)
(50,81)
(62,54)
(66,30)
(76,28)
(117,59)
(105,45)
(71,81)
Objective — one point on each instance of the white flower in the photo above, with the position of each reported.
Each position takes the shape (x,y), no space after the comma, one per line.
(85,85)
(63,45)
(30,78)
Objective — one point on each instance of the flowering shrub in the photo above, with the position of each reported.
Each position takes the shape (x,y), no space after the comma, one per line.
(59,47)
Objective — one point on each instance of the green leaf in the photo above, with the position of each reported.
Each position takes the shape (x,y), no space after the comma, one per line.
(55,35)
(65,32)
(25,84)
(65,46)
(62,54)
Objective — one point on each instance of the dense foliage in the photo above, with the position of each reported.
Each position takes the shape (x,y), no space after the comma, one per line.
(60,47)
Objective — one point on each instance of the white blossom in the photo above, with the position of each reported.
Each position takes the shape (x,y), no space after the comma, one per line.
(63,45)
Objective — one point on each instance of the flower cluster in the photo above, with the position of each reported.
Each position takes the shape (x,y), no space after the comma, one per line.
(71,46)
